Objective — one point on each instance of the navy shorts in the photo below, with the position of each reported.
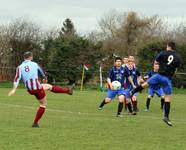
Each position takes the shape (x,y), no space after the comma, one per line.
(158,91)
(113,93)
(164,81)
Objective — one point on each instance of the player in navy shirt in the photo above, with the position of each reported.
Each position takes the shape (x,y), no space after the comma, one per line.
(116,73)
(154,89)
(135,75)
(168,61)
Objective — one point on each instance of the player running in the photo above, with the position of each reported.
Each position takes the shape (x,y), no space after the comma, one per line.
(135,74)
(168,61)
(116,73)
(28,72)
(154,89)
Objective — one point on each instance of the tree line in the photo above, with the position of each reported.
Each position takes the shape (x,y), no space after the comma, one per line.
(62,52)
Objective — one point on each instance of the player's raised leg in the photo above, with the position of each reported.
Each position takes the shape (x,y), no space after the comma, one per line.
(58,89)
(105,101)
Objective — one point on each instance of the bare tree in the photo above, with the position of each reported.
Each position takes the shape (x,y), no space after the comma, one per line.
(17,37)
(125,33)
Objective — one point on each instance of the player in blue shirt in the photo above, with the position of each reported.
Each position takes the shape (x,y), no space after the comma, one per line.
(116,73)
(168,61)
(135,74)
(154,89)
(28,72)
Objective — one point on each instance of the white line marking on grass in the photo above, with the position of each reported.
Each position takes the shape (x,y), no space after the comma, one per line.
(89,114)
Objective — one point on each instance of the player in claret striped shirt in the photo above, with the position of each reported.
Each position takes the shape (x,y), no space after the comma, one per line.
(28,72)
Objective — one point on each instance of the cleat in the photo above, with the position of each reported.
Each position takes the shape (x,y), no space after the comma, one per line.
(71,89)
(167,121)
(146,110)
(132,113)
(119,116)
(35,125)
(100,108)
(136,110)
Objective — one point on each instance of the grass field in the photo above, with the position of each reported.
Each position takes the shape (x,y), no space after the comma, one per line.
(74,123)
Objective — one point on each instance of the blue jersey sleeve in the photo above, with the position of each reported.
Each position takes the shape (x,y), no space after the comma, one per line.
(148,74)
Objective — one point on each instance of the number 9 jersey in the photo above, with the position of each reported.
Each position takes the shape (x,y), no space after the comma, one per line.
(28,72)
(168,62)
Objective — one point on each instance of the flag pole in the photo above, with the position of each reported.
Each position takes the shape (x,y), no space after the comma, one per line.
(82,79)
(101,78)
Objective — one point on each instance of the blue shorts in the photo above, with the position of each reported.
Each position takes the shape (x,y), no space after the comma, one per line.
(112,94)
(164,81)
(128,95)
(158,91)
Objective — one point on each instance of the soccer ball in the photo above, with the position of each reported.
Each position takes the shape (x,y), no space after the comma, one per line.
(116,85)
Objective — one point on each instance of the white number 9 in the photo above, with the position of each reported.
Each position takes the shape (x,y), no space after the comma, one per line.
(170,59)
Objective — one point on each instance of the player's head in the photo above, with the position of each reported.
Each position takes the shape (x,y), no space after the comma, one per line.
(28,56)
(125,60)
(118,61)
(131,58)
(171,46)
(130,65)
(155,67)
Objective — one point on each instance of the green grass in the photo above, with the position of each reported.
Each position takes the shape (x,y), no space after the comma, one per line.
(74,123)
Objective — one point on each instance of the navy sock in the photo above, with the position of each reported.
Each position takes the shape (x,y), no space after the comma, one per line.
(120,107)
(162,102)
(167,109)
(102,104)
(148,103)
(129,107)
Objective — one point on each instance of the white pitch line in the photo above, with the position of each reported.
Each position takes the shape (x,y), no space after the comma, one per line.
(85,113)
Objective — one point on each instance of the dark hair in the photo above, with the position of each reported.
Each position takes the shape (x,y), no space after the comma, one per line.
(27,55)
(118,58)
(172,45)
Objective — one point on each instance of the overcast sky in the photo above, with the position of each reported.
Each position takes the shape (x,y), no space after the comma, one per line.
(85,13)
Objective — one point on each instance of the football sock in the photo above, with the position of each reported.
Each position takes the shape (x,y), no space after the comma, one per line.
(137,89)
(162,102)
(129,107)
(134,105)
(120,107)
(148,103)
(167,109)
(102,104)
(59,89)
(39,114)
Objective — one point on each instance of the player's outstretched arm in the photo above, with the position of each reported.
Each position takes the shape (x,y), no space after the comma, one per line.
(109,83)
(131,81)
(16,82)
(12,92)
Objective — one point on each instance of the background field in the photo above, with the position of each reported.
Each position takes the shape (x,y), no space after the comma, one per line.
(74,123)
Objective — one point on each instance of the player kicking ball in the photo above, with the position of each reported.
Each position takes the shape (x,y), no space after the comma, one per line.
(153,89)
(116,73)
(28,72)
(168,61)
